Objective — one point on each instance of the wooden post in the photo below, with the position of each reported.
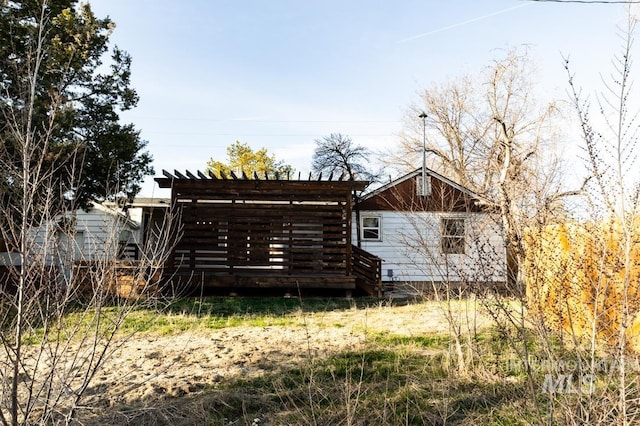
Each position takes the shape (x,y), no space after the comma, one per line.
(348,251)
(170,263)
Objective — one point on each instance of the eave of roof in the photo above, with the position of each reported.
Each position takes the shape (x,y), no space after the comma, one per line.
(151,202)
(117,214)
(418,172)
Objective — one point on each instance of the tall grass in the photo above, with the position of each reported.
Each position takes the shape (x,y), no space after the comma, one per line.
(388,378)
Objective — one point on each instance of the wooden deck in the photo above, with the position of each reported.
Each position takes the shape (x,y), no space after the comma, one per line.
(210,281)
(268,232)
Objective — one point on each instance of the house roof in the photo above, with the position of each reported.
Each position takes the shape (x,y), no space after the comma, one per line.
(116,213)
(418,172)
(400,194)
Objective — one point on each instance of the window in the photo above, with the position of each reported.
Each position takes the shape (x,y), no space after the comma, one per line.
(427,186)
(452,236)
(371,228)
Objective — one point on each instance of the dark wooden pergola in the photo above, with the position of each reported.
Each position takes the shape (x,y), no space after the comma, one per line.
(268,231)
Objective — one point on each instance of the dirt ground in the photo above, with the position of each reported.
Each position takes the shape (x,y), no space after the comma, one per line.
(149,368)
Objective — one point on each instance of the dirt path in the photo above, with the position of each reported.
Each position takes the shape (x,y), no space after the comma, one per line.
(148,368)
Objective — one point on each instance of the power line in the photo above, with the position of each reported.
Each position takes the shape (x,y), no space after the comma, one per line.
(261,135)
(240,121)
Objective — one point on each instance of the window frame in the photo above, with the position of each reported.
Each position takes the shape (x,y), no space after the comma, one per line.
(364,228)
(456,242)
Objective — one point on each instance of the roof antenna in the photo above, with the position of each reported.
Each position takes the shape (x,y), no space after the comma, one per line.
(423,189)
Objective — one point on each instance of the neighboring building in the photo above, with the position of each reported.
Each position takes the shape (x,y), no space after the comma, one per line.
(104,232)
(445,234)
(151,217)
(99,233)
(116,245)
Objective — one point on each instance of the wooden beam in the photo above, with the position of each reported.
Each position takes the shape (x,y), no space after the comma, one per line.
(179,175)
(262,189)
(212,281)
(191,175)
(201,175)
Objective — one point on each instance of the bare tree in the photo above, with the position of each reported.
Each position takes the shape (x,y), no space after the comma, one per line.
(491,135)
(581,277)
(61,306)
(336,154)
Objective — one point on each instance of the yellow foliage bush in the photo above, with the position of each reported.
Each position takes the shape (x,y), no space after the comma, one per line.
(577,281)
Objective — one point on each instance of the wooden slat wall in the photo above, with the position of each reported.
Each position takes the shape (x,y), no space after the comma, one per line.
(261,237)
(368,268)
(262,227)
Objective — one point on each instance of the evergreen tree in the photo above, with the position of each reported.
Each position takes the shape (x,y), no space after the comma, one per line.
(58,96)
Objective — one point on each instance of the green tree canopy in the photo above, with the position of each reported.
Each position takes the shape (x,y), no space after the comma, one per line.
(60,103)
(242,158)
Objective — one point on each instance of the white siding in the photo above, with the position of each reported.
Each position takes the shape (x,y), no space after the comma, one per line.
(410,246)
(96,236)
(101,232)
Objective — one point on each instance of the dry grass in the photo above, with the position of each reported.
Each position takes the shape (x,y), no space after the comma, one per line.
(325,362)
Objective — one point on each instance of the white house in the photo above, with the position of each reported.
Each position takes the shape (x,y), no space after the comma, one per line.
(444,234)
(106,231)
(99,233)
(121,246)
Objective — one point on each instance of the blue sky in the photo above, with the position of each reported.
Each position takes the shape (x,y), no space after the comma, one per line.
(279,74)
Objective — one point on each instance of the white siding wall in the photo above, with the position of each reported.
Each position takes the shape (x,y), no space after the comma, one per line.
(410,246)
(100,233)
(97,234)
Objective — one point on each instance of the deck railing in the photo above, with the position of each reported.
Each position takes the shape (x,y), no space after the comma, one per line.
(128,251)
(368,268)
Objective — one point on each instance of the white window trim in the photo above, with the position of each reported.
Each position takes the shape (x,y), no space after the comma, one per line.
(362,227)
(443,236)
